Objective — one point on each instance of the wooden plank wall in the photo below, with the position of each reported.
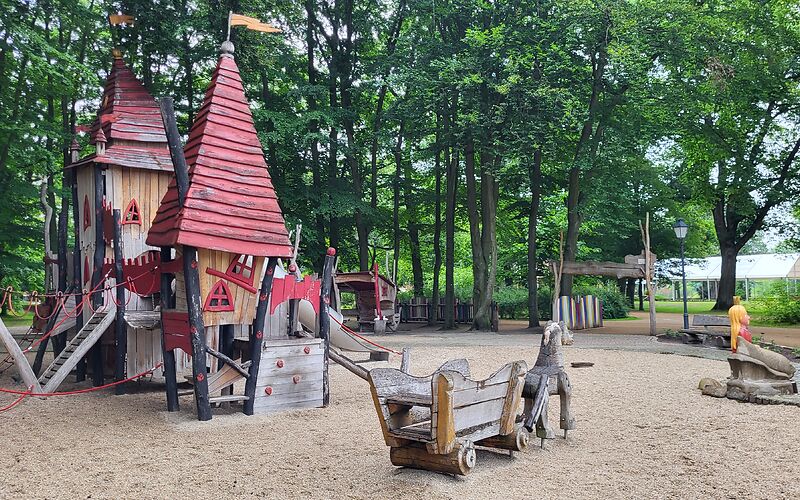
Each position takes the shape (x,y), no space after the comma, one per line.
(297,383)
(86,189)
(244,301)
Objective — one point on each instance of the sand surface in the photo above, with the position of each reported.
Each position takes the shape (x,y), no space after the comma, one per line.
(644,431)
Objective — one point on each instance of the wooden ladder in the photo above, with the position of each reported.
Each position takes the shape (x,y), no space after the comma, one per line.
(77,348)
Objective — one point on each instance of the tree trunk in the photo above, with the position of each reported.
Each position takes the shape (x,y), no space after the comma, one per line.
(413,227)
(727,279)
(433,310)
(313,129)
(451,159)
(398,161)
(535,176)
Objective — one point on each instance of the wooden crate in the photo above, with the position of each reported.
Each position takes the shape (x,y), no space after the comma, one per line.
(290,375)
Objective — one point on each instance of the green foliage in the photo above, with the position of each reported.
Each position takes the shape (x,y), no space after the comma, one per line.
(777,306)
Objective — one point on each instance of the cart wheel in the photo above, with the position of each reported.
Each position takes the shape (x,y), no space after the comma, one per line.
(467,456)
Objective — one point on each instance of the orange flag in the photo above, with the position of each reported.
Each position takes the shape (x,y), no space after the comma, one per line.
(117,19)
(252,23)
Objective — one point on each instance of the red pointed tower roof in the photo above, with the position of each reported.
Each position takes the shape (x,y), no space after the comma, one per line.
(130,119)
(231,203)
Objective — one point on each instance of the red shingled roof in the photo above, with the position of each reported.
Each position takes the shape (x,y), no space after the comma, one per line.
(129,114)
(230,204)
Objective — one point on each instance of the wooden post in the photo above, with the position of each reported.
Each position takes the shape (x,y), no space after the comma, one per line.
(60,340)
(170,374)
(96,353)
(257,336)
(198,332)
(120,328)
(191,274)
(77,280)
(175,147)
(325,319)
(226,335)
(648,271)
(557,276)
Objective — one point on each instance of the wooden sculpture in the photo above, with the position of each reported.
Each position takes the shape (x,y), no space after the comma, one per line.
(547,378)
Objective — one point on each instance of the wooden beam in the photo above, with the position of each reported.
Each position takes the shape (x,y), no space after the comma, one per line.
(77,281)
(227,361)
(175,147)
(19,358)
(257,336)
(598,268)
(198,332)
(96,354)
(325,320)
(120,328)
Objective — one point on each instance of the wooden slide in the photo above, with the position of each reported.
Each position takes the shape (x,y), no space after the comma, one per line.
(339,337)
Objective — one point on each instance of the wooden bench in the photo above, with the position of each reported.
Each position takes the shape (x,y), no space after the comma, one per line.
(434,422)
(710,330)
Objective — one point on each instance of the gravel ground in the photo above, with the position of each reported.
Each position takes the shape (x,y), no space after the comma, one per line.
(644,431)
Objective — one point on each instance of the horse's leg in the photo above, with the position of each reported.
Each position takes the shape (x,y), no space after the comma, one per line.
(567,420)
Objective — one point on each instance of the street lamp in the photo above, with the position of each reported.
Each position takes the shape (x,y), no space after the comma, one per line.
(681,228)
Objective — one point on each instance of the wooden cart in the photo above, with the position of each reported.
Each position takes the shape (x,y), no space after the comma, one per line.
(434,422)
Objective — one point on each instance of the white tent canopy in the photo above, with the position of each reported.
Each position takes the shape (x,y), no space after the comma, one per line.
(760,266)
(749,268)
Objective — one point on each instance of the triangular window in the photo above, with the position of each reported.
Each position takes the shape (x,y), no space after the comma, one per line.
(240,270)
(87,215)
(219,298)
(132,214)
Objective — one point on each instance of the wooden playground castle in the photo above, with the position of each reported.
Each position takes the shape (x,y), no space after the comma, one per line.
(176,255)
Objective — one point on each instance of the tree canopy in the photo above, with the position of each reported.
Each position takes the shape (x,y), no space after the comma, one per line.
(461,136)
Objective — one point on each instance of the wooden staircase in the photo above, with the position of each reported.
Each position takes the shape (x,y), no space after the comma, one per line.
(77,348)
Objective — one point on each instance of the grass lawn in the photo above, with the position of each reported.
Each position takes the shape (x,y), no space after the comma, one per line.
(627,318)
(24,320)
(698,307)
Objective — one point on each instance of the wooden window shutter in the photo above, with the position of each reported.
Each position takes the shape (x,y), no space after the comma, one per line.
(87,214)
(132,213)
(219,298)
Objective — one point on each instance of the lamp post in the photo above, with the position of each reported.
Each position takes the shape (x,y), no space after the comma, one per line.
(681,228)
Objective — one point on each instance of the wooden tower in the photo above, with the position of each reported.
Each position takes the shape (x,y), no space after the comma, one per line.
(221,216)
(129,171)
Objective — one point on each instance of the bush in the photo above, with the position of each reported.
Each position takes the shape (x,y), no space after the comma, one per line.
(512,302)
(615,305)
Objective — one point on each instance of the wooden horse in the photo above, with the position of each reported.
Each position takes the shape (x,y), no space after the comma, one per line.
(546,378)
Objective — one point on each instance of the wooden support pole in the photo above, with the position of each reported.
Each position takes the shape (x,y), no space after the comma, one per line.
(96,353)
(226,336)
(120,328)
(170,373)
(325,319)
(198,332)
(77,280)
(191,274)
(175,147)
(60,340)
(257,336)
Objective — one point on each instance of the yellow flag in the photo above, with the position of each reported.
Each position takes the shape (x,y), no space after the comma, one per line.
(117,19)
(252,23)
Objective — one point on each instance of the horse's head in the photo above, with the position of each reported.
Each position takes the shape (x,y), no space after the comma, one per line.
(556,334)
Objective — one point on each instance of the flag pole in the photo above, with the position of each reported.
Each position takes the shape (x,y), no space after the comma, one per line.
(230,15)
